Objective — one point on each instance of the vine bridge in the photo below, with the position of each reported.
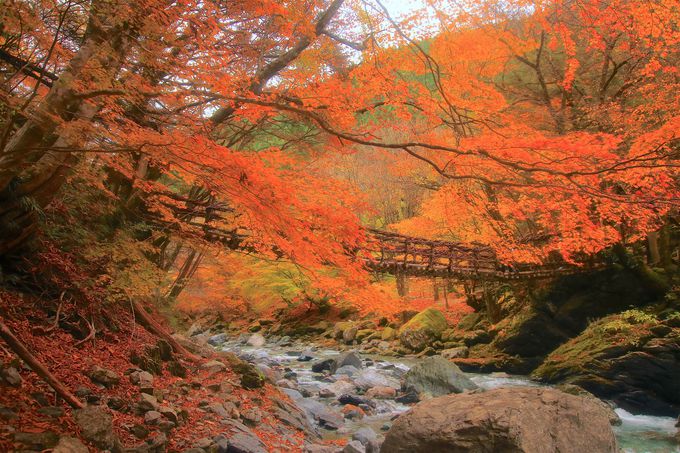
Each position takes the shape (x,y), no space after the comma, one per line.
(383,251)
(395,253)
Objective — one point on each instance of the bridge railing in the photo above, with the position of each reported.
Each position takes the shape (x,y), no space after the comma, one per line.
(394,252)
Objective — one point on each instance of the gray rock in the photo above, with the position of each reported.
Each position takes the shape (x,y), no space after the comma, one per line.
(103,376)
(324,365)
(70,445)
(316,448)
(147,403)
(246,443)
(218,340)
(139,431)
(437,376)
(36,441)
(347,370)
(364,435)
(355,400)
(350,358)
(372,378)
(252,416)
(354,446)
(326,393)
(256,340)
(214,366)
(218,408)
(141,378)
(11,376)
(96,427)
(169,413)
(152,417)
(293,394)
(330,420)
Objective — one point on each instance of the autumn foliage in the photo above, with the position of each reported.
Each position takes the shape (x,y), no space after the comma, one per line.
(541,128)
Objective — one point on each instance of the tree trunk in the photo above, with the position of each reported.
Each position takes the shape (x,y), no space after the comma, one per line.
(402,285)
(30,168)
(654,256)
(152,326)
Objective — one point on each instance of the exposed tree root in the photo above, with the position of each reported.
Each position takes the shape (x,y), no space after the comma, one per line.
(43,331)
(90,335)
(19,349)
(152,326)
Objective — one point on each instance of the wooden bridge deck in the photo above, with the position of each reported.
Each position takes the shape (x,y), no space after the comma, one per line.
(395,253)
(399,254)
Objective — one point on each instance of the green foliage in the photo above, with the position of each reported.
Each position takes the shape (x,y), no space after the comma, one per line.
(86,226)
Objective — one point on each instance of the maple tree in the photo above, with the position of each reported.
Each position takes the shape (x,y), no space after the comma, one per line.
(537,127)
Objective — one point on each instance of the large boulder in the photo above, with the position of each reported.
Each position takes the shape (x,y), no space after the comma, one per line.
(422,329)
(437,376)
(509,420)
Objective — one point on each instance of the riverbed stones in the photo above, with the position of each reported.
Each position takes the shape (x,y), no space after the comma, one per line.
(354,446)
(437,376)
(350,358)
(422,329)
(372,378)
(330,420)
(323,365)
(256,340)
(511,420)
(381,392)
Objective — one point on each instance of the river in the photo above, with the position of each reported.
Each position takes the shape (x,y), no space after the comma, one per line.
(636,434)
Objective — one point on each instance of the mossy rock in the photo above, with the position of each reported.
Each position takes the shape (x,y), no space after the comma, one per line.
(469,321)
(422,329)
(339,328)
(251,377)
(621,358)
(363,334)
(388,334)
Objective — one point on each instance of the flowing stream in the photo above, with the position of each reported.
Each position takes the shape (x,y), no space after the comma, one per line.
(637,433)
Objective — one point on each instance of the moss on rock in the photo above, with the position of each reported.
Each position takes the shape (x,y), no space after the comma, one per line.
(422,329)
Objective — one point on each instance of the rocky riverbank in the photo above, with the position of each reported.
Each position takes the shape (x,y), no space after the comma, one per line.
(629,355)
(356,398)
